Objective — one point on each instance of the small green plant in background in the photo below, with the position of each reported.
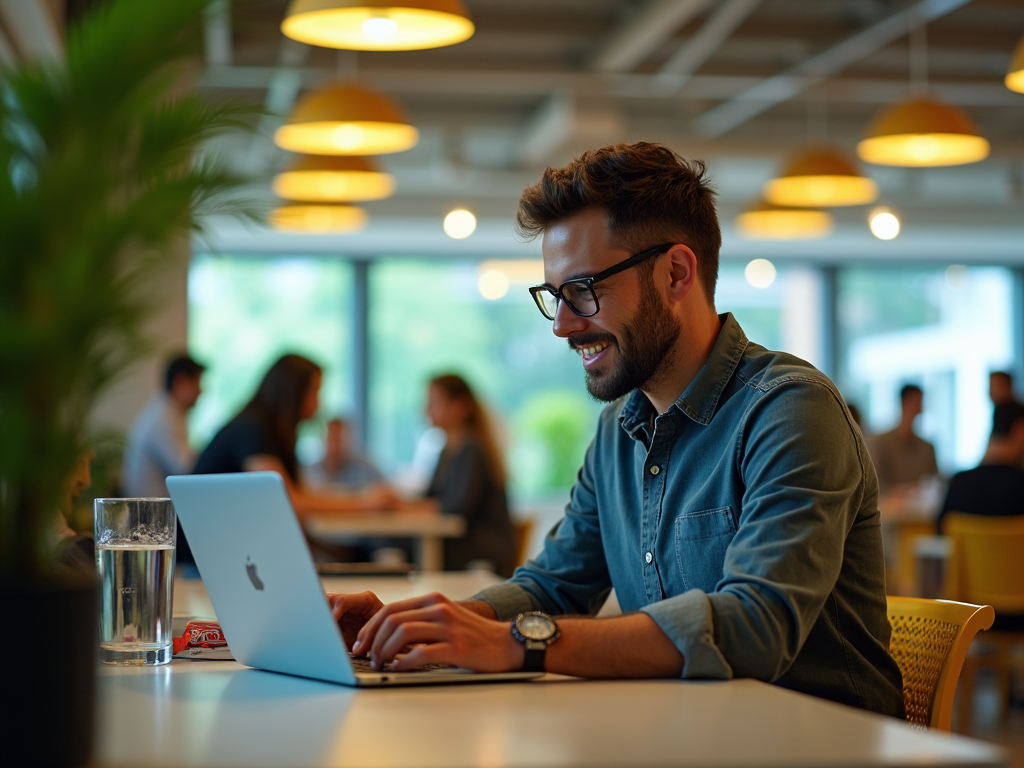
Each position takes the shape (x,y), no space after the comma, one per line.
(558,424)
(102,173)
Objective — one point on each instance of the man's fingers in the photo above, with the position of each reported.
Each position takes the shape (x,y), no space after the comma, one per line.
(408,633)
(366,635)
(434,614)
(421,655)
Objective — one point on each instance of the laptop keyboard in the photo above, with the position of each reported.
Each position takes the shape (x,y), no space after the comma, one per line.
(362,664)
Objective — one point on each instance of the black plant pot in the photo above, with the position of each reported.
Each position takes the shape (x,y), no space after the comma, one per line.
(48,671)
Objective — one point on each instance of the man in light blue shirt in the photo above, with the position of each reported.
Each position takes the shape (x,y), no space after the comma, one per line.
(157,444)
(727,496)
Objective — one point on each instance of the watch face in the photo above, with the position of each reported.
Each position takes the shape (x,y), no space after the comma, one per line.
(536,627)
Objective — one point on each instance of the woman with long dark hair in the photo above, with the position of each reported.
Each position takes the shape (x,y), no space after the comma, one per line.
(262,437)
(470,477)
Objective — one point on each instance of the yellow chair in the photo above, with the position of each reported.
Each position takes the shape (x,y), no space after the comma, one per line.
(929,642)
(987,566)
(523,528)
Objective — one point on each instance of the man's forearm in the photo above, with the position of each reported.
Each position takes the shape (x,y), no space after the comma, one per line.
(630,646)
(480,608)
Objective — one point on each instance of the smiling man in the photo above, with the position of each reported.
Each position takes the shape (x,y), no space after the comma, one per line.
(727,495)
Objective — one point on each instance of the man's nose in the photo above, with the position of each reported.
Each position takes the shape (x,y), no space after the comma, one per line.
(567,322)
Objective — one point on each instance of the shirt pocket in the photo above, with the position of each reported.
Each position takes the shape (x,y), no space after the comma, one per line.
(701,540)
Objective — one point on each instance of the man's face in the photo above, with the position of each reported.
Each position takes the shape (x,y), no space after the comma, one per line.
(186,389)
(1000,390)
(913,404)
(626,342)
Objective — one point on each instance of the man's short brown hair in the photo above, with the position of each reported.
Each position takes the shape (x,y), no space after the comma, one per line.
(650,195)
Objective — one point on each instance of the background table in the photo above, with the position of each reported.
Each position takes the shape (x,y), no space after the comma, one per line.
(194,713)
(426,528)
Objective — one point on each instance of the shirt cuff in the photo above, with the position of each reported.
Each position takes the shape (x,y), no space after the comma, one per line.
(507,600)
(688,622)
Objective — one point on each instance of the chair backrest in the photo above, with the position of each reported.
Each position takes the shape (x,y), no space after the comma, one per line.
(929,642)
(523,528)
(987,563)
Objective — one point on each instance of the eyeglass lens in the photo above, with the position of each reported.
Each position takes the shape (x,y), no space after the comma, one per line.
(578,296)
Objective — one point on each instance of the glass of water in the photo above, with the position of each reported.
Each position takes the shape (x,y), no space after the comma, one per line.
(135,558)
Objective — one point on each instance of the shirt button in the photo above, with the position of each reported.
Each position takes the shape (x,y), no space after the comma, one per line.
(648,558)
(655,469)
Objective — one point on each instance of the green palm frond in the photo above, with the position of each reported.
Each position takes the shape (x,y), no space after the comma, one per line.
(102,172)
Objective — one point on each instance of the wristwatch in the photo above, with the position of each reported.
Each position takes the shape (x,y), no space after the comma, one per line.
(536,631)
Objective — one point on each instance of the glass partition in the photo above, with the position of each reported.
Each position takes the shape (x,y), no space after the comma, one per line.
(244,312)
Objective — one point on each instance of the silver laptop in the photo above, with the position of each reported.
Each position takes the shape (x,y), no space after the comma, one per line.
(254,562)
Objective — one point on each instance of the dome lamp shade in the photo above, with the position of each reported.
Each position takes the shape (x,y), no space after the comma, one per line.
(765,221)
(1015,74)
(922,133)
(333,179)
(821,177)
(346,120)
(318,219)
(378,25)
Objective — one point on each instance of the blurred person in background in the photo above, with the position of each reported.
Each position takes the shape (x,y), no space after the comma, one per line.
(157,444)
(262,438)
(470,477)
(901,458)
(997,486)
(341,465)
(72,549)
(1000,387)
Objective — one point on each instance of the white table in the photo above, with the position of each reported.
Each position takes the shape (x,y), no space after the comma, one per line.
(426,528)
(193,713)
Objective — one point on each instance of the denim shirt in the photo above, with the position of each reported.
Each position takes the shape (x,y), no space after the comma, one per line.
(743,521)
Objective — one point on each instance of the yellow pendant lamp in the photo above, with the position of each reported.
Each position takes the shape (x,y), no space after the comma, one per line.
(765,221)
(1015,74)
(920,133)
(333,179)
(347,120)
(378,25)
(821,177)
(318,219)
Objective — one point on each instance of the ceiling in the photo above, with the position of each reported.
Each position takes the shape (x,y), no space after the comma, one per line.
(739,83)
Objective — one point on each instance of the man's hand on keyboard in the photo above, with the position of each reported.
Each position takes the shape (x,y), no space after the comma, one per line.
(352,611)
(440,632)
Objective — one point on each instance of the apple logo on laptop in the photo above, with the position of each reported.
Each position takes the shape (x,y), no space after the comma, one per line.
(250,568)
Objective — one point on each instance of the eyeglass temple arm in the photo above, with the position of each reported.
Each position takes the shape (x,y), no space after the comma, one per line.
(632,261)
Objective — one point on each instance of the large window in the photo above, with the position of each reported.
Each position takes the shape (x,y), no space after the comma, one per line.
(944,329)
(246,312)
(784,315)
(429,317)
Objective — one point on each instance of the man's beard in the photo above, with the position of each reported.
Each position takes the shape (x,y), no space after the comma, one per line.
(647,341)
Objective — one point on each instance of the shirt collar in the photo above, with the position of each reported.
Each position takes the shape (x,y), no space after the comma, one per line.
(700,398)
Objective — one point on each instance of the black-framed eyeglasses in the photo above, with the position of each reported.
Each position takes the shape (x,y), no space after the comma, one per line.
(578,294)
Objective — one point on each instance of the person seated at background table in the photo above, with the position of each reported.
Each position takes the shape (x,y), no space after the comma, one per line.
(901,458)
(157,444)
(727,495)
(341,465)
(997,486)
(74,550)
(1000,387)
(470,477)
(262,438)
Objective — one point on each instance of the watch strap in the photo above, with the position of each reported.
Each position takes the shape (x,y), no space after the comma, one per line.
(533,659)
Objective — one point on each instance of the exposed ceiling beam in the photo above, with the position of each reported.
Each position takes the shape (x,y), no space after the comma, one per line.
(465,82)
(782,87)
(655,24)
(720,25)
(217,33)
(283,88)
(31,29)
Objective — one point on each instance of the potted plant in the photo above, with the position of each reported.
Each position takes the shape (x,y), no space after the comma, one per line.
(102,173)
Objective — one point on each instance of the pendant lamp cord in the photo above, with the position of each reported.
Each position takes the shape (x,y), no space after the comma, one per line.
(918,54)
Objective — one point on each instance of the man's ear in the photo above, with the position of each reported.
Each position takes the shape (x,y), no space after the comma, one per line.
(682,265)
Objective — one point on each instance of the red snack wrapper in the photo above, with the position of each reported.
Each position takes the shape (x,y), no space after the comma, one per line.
(200,634)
